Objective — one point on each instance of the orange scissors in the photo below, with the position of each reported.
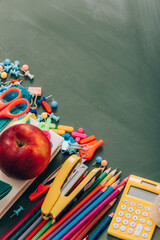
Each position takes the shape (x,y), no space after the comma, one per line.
(6,107)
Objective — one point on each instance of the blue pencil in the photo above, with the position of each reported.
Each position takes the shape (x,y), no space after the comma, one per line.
(100,229)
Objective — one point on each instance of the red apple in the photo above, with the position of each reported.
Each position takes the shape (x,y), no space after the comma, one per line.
(24,151)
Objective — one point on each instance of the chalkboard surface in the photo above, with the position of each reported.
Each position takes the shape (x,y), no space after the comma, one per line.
(100,59)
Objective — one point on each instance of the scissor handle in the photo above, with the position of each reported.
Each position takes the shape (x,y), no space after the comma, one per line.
(7,111)
(14,89)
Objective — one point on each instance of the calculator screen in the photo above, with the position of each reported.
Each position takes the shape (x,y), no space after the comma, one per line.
(142,194)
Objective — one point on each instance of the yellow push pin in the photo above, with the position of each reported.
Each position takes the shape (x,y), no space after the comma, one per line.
(44,115)
(3,75)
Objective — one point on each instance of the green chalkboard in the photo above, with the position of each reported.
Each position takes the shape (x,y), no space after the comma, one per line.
(100,59)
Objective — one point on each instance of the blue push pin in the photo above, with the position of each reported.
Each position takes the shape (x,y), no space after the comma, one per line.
(8,68)
(98,160)
(15,66)
(54,104)
(16,73)
(16,212)
(39,118)
(7,62)
(52,116)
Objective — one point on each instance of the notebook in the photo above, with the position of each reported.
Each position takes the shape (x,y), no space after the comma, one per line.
(19,186)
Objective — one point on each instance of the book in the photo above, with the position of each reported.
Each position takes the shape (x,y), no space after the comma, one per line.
(19,186)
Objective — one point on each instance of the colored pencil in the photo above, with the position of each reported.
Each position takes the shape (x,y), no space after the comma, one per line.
(123,182)
(105,176)
(35,230)
(113,179)
(76,214)
(88,226)
(100,229)
(30,228)
(22,221)
(75,225)
(70,213)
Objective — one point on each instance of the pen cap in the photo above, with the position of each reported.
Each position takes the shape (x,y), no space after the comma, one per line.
(155,211)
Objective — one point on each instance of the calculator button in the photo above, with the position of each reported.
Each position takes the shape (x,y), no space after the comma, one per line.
(135,218)
(120,213)
(123,207)
(149,223)
(147,229)
(130,209)
(130,230)
(125,222)
(139,206)
(138,230)
(125,201)
(144,235)
(128,215)
(122,228)
(142,220)
(147,208)
(118,219)
(132,224)
(115,226)
(137,212)
(132,204)
(145,214)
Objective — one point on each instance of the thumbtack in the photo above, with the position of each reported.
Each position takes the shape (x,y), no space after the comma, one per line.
(16,73)
(39,118)
(104,163)
(44,103)
(54,117)
(7,68)
(25,69)
(98,160)
(16,212)
(7,62)
(54,104)
(3,75)
(15,66)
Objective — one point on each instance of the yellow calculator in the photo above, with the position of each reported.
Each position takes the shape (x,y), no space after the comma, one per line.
(132,220)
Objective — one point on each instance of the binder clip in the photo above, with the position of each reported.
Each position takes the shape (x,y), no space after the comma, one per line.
(56,202)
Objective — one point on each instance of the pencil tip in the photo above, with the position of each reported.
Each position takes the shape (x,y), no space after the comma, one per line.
(111,215)
(113,201)
(108,170)
(120,188)
(53,221)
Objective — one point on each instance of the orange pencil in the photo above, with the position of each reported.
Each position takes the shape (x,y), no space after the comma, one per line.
(73,210)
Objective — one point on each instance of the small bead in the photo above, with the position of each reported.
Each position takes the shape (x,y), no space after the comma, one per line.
(4,75)
(99,159)
(80,130)
(44,115)
(104,163)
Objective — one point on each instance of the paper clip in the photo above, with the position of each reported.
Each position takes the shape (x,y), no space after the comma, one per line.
(33,103)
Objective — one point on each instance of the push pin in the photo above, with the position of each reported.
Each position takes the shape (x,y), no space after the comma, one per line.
(15,66)
(3,75)
(7,68)
(39,118)
(16,212)
(16,73)
(44,103)
(98,160)
(56,118)
(7,62)
(54,104)
(25,69)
